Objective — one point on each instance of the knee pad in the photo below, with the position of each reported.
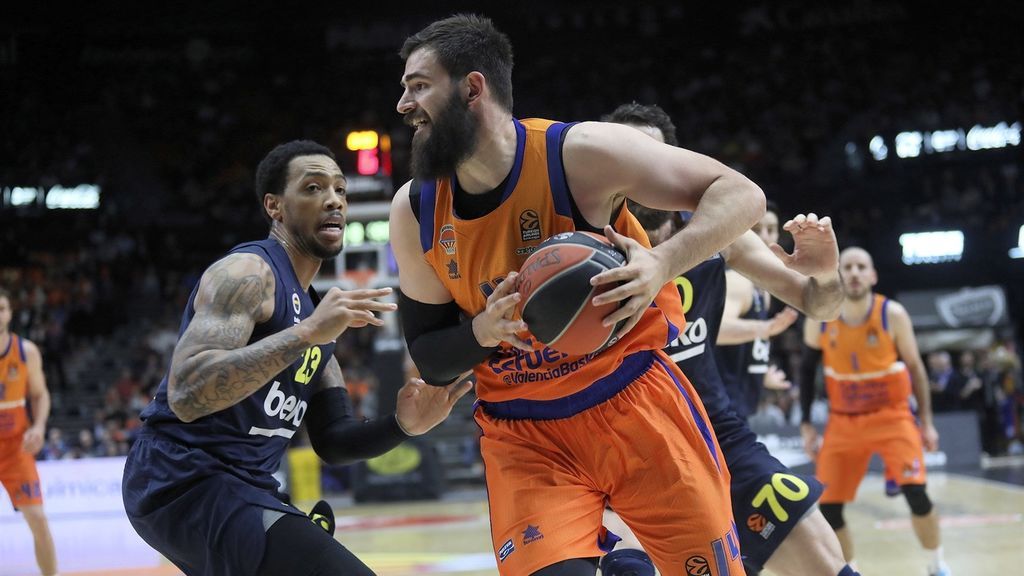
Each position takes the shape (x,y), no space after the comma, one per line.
(627,562)
(917,498)
(833,514)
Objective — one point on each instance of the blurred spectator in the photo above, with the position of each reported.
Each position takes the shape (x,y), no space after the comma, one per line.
(55,447)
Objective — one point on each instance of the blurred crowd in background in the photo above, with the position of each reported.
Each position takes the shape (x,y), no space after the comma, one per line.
(169,116)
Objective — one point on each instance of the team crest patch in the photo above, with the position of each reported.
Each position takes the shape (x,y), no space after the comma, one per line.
(12,373)
(447,239)
(529,225)
(296,303)
(531,534)
(872,338)
(507,548)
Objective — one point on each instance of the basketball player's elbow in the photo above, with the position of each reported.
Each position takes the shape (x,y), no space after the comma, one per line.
(180,402)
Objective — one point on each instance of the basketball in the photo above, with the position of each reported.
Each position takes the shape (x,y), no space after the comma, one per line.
(556,292)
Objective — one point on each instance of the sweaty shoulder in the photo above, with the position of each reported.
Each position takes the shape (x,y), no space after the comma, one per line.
(239,282)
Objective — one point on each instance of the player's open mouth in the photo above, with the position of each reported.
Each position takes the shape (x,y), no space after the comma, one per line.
(332,228)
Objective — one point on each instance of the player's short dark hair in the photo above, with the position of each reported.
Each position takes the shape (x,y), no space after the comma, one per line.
(272,172)
(466,43)
(645,115)
(5,294)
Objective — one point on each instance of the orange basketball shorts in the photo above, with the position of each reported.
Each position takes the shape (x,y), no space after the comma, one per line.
(637,440)
(18,473)
(851,439)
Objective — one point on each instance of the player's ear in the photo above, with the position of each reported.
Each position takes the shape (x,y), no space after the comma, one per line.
(272,204)
(475,83)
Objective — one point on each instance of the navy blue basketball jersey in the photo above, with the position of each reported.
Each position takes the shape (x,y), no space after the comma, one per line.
(743,366)
(702,290)
(251,436)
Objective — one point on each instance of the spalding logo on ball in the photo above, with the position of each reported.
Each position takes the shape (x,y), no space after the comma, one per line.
(556,292)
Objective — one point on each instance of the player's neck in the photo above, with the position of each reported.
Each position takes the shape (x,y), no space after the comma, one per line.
(855,312)
(305,265)
(493,157)
(5,340)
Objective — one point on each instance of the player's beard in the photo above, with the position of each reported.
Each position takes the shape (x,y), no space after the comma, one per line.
(451,139)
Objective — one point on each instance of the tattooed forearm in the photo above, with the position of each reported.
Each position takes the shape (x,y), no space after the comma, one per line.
(212,368)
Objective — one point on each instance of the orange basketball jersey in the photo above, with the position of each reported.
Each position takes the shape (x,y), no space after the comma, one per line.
(13,387)
(863,372)
(471,258)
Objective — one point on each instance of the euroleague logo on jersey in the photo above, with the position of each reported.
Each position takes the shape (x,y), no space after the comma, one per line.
(529,225)
(697,566)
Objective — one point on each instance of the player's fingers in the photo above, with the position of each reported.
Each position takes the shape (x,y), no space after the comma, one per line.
(825,223)
(519,343)
(369,305)
(458,390)
(511,327)
(365,293)
(503,306)
(781,253)
(620,274)
(618,293)
(812,219)
(800,220)
(633,320)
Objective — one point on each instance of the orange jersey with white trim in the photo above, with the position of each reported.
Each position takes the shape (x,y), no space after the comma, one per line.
(13,388)
(471,257)
(863,372)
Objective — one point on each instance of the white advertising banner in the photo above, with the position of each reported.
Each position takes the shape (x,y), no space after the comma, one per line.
(77,486)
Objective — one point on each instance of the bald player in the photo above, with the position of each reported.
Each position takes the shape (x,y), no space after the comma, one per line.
(871,364)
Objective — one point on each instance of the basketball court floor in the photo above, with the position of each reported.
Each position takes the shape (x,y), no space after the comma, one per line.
(983,533)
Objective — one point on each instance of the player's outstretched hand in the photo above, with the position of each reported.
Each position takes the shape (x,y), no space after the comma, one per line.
(815,249)
(422,406)
(340,309)
(497,323)
(640,280)
(775,379)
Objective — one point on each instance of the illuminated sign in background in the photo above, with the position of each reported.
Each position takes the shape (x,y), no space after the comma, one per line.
(83,196)
(978,137)
(932,247)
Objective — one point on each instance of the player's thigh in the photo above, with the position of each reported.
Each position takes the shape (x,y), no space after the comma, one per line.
(20,478)
(842,462)
(542,510)
(902,451)
(768,502)
(297,547)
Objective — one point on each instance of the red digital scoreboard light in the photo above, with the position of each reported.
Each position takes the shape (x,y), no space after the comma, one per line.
(373,152)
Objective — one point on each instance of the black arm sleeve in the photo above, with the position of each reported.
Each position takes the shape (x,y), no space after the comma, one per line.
(441,344)
(338,437)
(808,374)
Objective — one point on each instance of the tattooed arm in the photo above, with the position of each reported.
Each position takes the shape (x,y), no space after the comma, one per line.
(212,368)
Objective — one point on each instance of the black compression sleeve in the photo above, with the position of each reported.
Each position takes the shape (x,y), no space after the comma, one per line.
(338,437)
(441,345)
(808,374)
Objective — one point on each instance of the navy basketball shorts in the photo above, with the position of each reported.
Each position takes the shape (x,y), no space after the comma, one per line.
(768,499)
(209,522)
